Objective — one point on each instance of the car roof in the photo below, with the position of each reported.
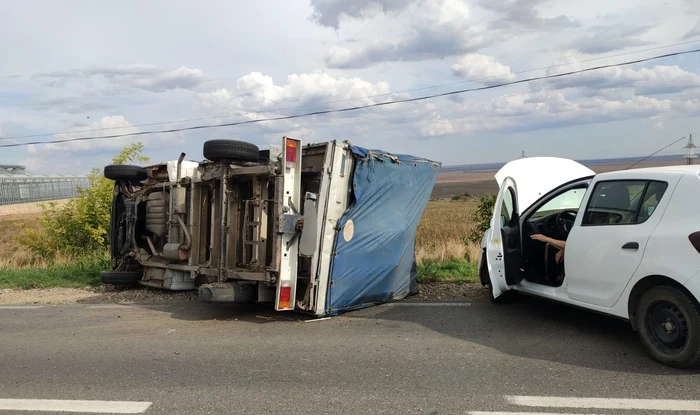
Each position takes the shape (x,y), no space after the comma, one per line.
(679,169)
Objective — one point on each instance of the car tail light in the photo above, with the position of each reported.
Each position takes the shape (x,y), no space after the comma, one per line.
(291,151)
(285,299)
(694,239)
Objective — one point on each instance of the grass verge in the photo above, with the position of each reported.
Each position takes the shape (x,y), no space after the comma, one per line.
(448,271)
(81,272)
(85,272)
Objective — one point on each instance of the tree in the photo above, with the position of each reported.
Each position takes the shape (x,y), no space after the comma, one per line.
(81,226)
(482,217)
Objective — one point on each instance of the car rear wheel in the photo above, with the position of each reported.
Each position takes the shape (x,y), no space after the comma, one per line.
(125,172)
(669,326)
(120,277)
(231,150)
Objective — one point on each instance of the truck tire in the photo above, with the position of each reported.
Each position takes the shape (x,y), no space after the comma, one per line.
(120,277)
(230,150)
(125,172)
(668,322)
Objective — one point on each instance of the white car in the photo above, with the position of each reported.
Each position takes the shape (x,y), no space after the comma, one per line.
(632,246)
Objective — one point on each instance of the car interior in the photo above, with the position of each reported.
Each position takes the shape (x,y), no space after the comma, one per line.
(554,217)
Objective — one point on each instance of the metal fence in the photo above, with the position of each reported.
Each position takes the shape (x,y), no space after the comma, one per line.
(15,189)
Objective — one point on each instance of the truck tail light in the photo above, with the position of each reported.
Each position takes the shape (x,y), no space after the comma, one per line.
(694,239)
(285,299)
(291,150)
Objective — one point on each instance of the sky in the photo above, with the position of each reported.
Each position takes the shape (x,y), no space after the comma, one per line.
(84,68)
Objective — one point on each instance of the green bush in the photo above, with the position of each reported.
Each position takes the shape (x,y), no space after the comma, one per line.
(81,226)
(482,217)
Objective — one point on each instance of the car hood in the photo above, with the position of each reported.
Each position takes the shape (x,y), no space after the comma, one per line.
(536,176)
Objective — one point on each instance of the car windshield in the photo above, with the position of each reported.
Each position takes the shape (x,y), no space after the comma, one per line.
(569,200)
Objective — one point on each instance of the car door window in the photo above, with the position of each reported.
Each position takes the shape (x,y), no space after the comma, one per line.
(651,199)
(507,207)
(619,202)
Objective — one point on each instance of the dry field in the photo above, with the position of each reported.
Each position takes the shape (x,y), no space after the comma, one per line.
(12,219)
(443,230)
(12,255)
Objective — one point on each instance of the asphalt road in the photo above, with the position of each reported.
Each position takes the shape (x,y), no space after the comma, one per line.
(450,358)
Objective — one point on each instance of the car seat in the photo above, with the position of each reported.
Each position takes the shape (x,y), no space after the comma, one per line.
(616,197)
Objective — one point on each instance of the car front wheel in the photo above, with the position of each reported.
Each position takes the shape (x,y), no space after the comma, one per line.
(669,326)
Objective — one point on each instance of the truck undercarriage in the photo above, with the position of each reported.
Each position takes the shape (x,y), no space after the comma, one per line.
(239,227)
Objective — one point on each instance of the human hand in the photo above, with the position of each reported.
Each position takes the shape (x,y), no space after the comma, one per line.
(540,237)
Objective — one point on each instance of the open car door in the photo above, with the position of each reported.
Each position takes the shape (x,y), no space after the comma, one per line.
(503,253)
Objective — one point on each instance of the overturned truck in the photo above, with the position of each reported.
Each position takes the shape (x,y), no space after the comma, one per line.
(321,228)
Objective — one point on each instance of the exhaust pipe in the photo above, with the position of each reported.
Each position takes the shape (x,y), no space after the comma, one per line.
(179,168)
(188,239)
(174,249)
(153,248)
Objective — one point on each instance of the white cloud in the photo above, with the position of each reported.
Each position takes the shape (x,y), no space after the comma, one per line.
(258,92)
(256,96)
(328,12)
(523,15)
(430,30)
(482,67)
(550,109)
(608,38)
(435,29)
(72,105)
(139,76)
(47,158)
(660,79)
(436,127)
(109,125)
(368,45)
(597,99)
(694,8)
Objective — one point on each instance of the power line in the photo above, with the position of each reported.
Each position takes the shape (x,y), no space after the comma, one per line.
(656,152)
(347,109)
(273,110)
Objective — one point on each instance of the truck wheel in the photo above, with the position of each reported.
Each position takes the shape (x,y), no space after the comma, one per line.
(125,172)
(120,277)
(669,326)
(230,150)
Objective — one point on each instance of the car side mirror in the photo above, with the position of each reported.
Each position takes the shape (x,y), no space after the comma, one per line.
(503,221)
(650,210)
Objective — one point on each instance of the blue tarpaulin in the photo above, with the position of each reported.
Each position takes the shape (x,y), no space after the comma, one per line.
(374,254)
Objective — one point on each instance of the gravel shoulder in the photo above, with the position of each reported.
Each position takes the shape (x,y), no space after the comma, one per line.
(145,295)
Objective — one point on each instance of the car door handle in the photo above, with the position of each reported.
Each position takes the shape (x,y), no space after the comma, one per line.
(631,245)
